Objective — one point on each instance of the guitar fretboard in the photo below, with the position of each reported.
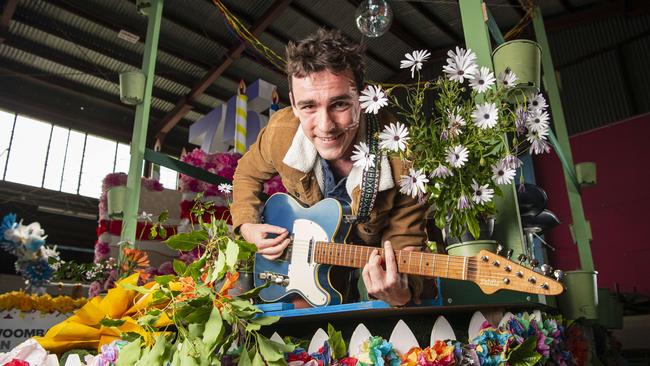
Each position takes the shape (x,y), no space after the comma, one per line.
(416,263)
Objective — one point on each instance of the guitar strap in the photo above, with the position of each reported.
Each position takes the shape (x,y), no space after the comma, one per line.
(370,179)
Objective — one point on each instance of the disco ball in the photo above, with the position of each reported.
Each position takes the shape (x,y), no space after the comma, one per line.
(373,17)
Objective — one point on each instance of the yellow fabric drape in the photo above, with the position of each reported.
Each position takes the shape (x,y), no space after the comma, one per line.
(83,329)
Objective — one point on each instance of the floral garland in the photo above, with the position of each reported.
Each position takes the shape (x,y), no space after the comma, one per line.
(46,304)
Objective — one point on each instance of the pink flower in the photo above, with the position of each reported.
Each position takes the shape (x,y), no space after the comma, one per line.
(101,251)
(274,185)
(95,289)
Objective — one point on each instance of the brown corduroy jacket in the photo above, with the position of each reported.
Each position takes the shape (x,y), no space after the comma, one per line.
(282,148)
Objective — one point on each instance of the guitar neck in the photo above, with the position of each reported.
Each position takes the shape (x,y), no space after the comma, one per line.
(409,262)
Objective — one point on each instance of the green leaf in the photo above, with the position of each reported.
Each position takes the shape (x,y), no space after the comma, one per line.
(200,315)
(111,322)
(165,279)
(244,359)
(155,355)
(163,217)
(213,329)
(187,241)
(472,224)
(129,354)
(265,320)
(257,360)
(139,289)
(179,267)
(219,267)
(244,309)
(525,354)
(163,233)
(336,342)
(148,319)
(196,330)
(188,353)
(251,327)
(232,254)
(268,349)
(252,293)
(153,233)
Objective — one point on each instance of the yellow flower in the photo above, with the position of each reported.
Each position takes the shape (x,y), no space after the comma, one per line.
(43,303)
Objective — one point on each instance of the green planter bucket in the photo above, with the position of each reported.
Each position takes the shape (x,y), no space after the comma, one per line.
(523,57)
(610,310)
(580,299)
(132,87)
(116,197)
(471,248)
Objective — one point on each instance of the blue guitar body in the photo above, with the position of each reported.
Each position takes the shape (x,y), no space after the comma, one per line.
(295,272)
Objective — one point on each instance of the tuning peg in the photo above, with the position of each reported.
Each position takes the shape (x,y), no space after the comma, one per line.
(499,249)
(533,262)
(509,253)
(522,258)
(558,274)
(546,269)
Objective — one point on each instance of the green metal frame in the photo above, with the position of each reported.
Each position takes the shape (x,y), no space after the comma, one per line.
(580,228)
(139,138)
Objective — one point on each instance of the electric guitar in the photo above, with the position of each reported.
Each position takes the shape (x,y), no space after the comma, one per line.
(305,266)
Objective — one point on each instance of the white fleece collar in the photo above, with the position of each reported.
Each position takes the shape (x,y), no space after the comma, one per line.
(303,156)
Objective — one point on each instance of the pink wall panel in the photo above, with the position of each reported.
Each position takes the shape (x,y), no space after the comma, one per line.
(618,207)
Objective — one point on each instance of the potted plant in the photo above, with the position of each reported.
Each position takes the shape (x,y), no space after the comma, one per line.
(465,149)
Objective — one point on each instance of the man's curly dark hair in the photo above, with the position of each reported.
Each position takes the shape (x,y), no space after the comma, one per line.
(325,50)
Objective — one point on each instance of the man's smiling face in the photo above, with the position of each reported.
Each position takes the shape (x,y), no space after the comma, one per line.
(327,105)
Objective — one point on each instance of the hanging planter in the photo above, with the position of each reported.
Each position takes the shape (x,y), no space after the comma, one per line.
(580,300)
(468,246)
(523,58)
(116,197)
(132,87)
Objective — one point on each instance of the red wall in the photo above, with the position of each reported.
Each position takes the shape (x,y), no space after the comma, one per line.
(618,207)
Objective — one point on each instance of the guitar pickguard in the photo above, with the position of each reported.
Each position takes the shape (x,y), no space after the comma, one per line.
(302,271)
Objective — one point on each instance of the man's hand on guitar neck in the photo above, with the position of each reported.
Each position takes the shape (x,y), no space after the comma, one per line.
(258,234)
(385,283)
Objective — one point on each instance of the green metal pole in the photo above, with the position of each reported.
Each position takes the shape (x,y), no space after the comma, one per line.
(139,139)
(580,227)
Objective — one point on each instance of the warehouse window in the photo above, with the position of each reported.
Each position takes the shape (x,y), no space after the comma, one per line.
(40,154)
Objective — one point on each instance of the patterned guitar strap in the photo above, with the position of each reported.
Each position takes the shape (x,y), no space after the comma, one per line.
(370,180)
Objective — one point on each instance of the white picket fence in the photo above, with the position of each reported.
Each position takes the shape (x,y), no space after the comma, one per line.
(403,339)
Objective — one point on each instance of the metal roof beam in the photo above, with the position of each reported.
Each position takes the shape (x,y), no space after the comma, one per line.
(566,4)
(116,25)
(234,52)
(372,55)
(595,12)
(438,22)
(86,67)
(516,5)
(5,19)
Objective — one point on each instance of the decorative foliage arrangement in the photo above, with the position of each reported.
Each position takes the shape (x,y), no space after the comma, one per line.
(467,148)
(27,242)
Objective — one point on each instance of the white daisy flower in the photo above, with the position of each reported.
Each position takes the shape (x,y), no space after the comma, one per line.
(457,156)
(536,101)
(482,193)
(460,65)
(373,98)
(442,172)
(414,60)
(507,78)
(394,137)
(225,188)
(413,184)
(483,80)
(538,143)
(146,216)
(485,115)
(362,156)
(455,123)
(463,203)
(502,173)
(537,120)
(511,161)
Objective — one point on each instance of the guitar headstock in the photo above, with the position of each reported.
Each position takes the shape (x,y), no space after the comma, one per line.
(494,273)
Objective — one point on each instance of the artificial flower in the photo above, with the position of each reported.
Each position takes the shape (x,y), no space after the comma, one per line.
(483,80)
(362,157)
(455,122)
(394,137)
(457,156)
(373,98)
(491,346)
(460,65)
(413,184)
(442,172)
(414,60)
(485,115)
(482,193)
(225,188)
(507,78)
(463,203)
(538,143)
(502,173)
(377,351)
(537,120)
(17,362)
(536,101)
